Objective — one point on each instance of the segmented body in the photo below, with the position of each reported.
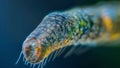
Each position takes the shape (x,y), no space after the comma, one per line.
(90,26)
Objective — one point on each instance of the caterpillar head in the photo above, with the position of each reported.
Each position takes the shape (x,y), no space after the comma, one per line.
(33,50)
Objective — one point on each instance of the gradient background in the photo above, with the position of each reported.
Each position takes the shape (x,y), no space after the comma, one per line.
(18,18)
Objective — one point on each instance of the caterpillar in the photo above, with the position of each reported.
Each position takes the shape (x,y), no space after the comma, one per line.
(88,26)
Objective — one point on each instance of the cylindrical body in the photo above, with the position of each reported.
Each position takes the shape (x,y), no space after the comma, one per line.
(89,26)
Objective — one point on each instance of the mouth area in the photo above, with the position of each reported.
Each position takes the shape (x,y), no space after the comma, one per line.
(32,50)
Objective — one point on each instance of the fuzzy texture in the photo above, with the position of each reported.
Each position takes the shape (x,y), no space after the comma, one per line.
(91,26)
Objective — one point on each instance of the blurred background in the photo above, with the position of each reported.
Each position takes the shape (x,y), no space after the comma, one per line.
(18,18)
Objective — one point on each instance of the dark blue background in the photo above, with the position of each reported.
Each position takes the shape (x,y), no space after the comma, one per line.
(19,17)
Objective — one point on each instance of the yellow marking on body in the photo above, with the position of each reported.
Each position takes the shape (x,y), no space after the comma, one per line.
(67,41)
(48,51)
(51,49)
(107,21)
(115,36)
(112,28)
(38,53)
